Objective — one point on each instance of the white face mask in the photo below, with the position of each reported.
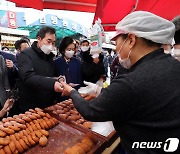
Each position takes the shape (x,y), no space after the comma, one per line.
(126,63)
(47,49)
(84,48)
(69,54)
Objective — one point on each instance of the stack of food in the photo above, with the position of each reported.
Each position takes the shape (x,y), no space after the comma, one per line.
(83,147)
(20,132)
(67,111)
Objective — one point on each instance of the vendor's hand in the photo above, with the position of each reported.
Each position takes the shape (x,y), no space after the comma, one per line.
(66,89)
(91,88)
(9,63)
(8,105)
(58,87)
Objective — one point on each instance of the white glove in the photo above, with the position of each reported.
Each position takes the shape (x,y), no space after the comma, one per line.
(91,88)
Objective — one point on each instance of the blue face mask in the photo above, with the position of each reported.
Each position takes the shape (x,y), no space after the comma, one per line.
(126,63)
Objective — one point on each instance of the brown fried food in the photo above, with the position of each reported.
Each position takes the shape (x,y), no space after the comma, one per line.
(78,149)
(20,120)
(43,141)
(12,137)
(2,134)
(32,117)
(34,137)
(36,115)
(31,110)
(27,119)
(31,141)
(38,109)
(6,130)
(17,136)
(44,132)
(4,141)
(7,149)
(38,133)
(15,128)
(55,121)
(48,116)
(19,147)
(33,126)
(85,147)
(23,144)
(88,141)
(26,141)
(87,125)
(2,151)
(41,113)
(64,116)
(12,146)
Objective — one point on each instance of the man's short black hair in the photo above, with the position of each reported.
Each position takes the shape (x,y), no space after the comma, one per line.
(19,42)
(5,48)
(85,40)
(64,44)
(44,30)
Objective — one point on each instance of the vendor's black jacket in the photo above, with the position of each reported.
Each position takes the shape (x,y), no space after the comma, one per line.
(144,104)
(36,84)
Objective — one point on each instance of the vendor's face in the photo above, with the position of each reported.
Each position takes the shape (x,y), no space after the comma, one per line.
(121,47)
(49,39)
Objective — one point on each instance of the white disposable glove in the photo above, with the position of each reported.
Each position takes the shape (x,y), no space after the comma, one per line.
(91,88)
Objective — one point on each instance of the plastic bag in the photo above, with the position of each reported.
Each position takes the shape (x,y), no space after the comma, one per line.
(103,128)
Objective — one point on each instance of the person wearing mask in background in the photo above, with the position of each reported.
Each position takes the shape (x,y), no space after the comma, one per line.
(12,68)
(67,65)
(116,68)
(84,51)
(21,45)
(93,68)
(143,104)
(37,72)
(6,49)
(111,57)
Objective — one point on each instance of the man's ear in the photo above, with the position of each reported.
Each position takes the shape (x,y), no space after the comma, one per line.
(132,40)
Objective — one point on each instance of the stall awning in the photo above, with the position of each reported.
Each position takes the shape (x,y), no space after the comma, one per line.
(112,11)
(73,5)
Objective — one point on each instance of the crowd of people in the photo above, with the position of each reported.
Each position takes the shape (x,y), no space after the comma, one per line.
(144,85)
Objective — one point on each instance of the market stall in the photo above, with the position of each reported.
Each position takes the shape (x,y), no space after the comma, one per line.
(48,131)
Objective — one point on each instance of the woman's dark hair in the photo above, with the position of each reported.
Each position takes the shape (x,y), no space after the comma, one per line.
(44,30)
(64,44)
(149,43)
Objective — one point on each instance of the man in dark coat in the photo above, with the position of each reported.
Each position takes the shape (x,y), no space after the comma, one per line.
(12,68)
(36,72)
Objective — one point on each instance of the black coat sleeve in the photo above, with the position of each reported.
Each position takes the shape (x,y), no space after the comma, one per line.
(114,103)
(30,77)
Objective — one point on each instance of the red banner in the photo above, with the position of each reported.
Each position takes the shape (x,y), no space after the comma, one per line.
(12,23)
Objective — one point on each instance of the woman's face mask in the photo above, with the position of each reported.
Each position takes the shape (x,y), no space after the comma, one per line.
(126,63)
(69,54)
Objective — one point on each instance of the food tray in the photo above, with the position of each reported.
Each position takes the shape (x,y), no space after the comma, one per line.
(63,136)
(109,139)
